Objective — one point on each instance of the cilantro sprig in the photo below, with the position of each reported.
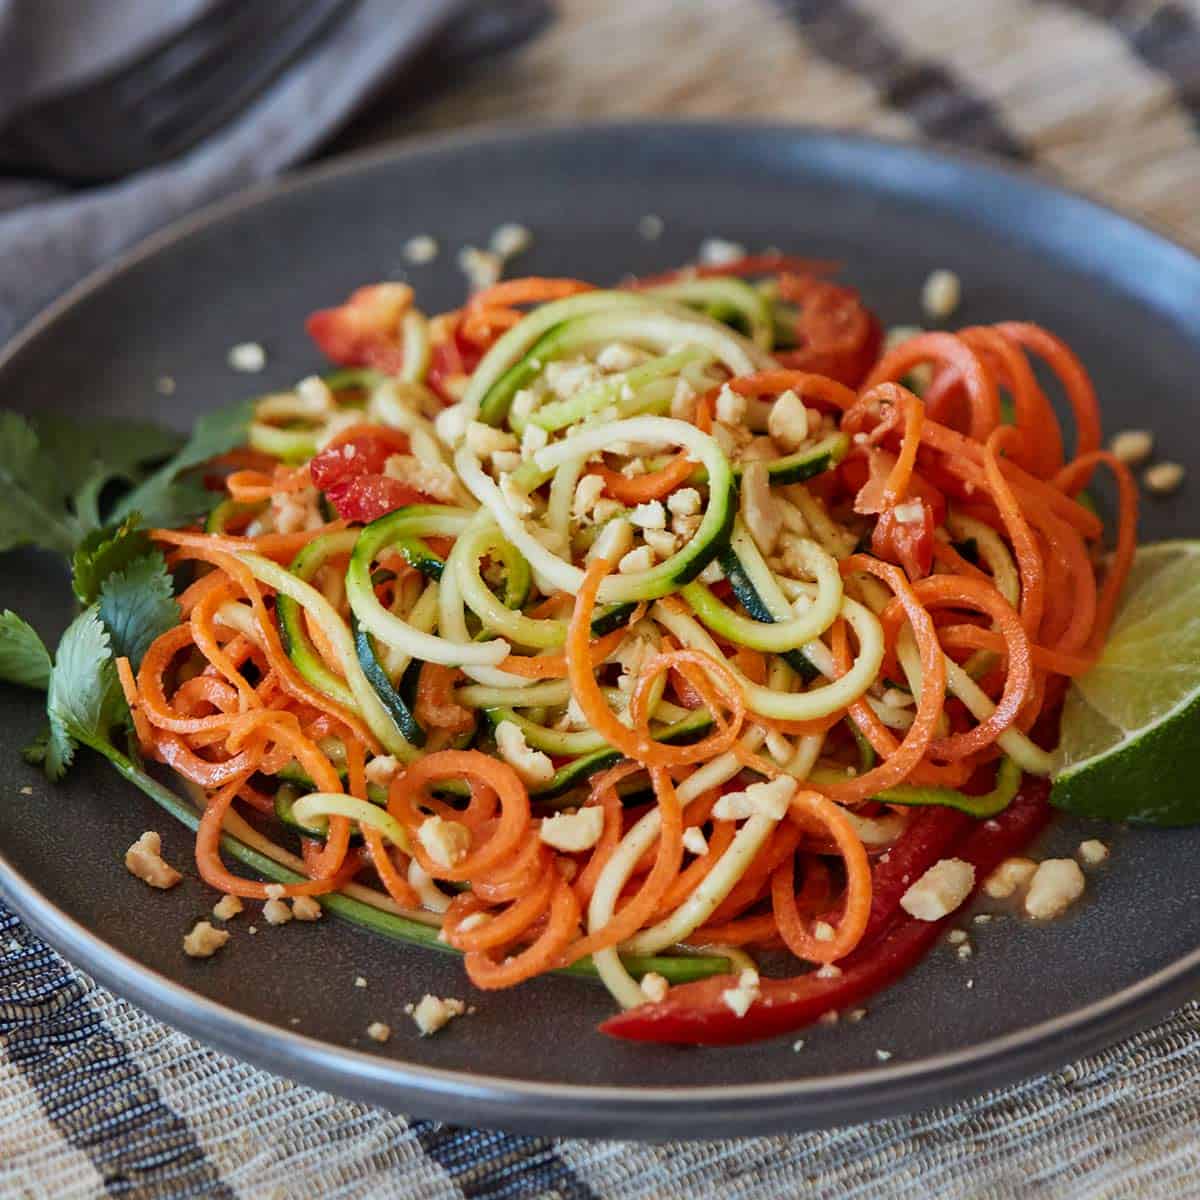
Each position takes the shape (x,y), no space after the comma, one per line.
(57,476)
(130,601)
(58,479)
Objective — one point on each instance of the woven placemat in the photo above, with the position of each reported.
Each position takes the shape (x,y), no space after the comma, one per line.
(96,1098)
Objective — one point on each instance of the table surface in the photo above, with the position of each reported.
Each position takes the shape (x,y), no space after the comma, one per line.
(1102,95)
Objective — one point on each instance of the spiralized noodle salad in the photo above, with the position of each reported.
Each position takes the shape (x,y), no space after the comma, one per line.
(656,633)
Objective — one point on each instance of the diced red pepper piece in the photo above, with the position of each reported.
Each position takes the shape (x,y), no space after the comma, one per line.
(365,498)
(696,1014)
(908,544)
(365,331)
(355,454)
(451,358)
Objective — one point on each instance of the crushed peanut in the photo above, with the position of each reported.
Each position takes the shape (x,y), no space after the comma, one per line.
(204,941)
(249,357)
(305,908)
(1056,885)
(227,908)
(144,859)
(533,766)
(651,227)
(277,912)
(1163,478)
(940,890)
(481,267)
(432,1013)
(717,252)
(654,987)
(1009,877)
(1132,446)
(573,832)
(941,294)
(421,249)
(510,239)
(446,842)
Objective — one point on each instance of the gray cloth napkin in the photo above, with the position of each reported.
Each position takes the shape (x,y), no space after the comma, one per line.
(51,235)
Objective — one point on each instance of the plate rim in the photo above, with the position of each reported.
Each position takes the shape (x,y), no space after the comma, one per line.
(570,1108)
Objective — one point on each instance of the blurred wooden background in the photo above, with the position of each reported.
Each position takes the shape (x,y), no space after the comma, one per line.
(1103,95)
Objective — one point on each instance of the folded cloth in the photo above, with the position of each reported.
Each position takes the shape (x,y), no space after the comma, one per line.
(51,235)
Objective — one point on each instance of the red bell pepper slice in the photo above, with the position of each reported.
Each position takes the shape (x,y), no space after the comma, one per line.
(930,835)
(696,1014)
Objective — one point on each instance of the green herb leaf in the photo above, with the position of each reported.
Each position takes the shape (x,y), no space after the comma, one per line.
(88,456)
(167,497)
(137,605)
(24,658)
(53,472)
(103,552)
(37,750)
(85,700)
(32,503)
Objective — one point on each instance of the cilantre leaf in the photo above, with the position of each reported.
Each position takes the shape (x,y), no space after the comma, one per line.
(84,701)
(137,605)
(33,507)
(24,658)
(104,551)
(53,471)
(168,497)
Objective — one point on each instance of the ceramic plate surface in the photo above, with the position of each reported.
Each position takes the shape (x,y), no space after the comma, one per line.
(1127,300)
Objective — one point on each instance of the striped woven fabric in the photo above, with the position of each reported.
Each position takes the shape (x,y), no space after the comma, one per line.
(96,1098)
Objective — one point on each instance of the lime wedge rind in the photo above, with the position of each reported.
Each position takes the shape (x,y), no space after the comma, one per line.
(1130,746)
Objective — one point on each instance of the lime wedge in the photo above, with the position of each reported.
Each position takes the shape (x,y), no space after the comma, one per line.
(1130,748)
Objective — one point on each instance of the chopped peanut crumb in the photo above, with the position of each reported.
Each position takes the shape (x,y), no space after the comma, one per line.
(144,859)
(227,908)
(204,940)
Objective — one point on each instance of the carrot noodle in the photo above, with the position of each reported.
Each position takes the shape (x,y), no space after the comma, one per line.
(435,704)
(641,907)
(1025,547)
(636,734)
(900,762)
(405,795)
(604,794)
(962,592)
(1040,440)
(945,349)
(1072,477)
(554,666)
(901,404)
(250,486)
(282,547)
(485,972)
(643,488)
(806,384)
(493,307)
(816,811)
(637,742)
(1081,395)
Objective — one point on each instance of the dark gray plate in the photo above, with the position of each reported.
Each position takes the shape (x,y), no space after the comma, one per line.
(251,269)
